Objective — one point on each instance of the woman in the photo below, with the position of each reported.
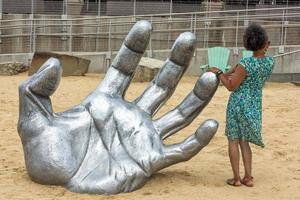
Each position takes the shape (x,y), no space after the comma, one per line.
(244,109)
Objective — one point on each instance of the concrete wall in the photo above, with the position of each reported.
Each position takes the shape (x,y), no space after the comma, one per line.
(287,67)
(19,57)
(289,64)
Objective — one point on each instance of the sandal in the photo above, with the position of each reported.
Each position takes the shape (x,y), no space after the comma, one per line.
(234,182)
(248,181)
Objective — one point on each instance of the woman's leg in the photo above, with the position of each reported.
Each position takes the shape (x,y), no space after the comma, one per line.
(247,160)
(234,155)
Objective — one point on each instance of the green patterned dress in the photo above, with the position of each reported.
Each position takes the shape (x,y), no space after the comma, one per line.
(244,109)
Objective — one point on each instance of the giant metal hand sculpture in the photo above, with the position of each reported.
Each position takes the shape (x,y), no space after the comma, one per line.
(106,144)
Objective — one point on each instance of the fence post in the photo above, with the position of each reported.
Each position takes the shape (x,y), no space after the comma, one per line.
(247,6)
(171,8)
(109,37)
(281,47)
(64,32)
(195,32)
(65,7)
(206,23)
(32,6)
(192,26)
(1,11)
(286,24)
(98,19)
(134,8)
(236,51)
(195,24)
(70,36)
(99,8)
(191,23)
(170,21)
(150,42)
(32,34)
(109,54)
(206,32)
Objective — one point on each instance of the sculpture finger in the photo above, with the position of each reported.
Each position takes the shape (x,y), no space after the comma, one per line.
(165,82)
(45,81)
(189,108)
(189,147)
(122,69)
(39,87)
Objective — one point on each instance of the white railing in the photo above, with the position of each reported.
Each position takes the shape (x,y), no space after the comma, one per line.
(106,34)
(286,54)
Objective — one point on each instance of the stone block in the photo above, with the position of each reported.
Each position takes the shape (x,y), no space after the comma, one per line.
(71,65)
(147,69)
(12,68)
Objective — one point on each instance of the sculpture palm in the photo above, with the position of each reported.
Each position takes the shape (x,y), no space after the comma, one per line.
(106,144)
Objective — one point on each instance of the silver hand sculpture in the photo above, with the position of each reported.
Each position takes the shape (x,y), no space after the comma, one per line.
(106,144)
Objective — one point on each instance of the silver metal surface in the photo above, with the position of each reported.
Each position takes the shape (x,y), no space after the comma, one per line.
(106,144)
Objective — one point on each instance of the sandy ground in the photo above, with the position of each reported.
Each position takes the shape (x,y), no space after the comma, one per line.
(276,168)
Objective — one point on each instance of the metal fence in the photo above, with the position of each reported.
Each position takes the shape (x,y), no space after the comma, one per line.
(29,33)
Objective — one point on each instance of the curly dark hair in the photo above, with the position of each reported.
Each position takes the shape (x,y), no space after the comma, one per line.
(255,37)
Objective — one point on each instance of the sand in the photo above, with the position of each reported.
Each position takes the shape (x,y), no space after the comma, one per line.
(276,168)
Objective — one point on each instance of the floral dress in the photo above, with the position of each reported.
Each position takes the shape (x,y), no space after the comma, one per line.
(244,109)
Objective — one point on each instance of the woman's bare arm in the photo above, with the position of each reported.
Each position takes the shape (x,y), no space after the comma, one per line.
(233,79)
(231,70)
